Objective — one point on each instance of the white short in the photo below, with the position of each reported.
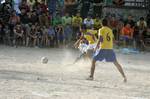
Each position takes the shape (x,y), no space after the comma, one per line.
(85,47)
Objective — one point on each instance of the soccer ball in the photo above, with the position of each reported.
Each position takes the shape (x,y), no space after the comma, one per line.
(44,60)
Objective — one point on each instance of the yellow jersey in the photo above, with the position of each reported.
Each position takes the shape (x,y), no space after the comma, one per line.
(76,21)
(90,36)
(106,36)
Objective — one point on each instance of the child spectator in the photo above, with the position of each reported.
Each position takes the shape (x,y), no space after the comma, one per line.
(127,34)
(60,33)
(32,38)
(51,35)
(18,35)
(43,19)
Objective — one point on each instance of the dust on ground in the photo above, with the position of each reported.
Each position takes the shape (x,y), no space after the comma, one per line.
(22,76)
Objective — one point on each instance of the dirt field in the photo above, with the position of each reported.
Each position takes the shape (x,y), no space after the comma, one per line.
(22,76)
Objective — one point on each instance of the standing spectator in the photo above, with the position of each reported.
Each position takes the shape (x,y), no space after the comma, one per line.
(60,33)
(127,35)
(89,22)
(51,35)
(68,33)
(113,24)
(142,24)
(57,20)
(130,21)
(66,19)
(13,20)
(32,38)
(34,18)
(76,23)
(43,19)
(148,19)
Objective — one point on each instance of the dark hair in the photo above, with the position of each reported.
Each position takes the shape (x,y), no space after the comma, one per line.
(104,22)
(141,18)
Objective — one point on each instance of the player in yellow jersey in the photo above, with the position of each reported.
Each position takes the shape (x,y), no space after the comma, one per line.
(87,42)
(104,50)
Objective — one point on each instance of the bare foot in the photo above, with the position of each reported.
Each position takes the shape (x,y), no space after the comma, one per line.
(90,78)
(125,80)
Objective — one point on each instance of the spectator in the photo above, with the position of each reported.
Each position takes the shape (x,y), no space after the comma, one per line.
(89,22)
(119,2)
(43,19)
(70,7)
(142,24)
(68,33)
(66,19)
(60,33)
(127,34)
(76,23)
(24,5)
(34,18)
(32,38)
(57,20)
(44,7)
(113,24)
(18,35)
(51,35)
(130,21)
(35,5)
(13,20)
(40,33)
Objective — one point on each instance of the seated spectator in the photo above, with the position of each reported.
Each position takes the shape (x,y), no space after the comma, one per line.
(127,34)
(97,23)
(18,35)
(89,22)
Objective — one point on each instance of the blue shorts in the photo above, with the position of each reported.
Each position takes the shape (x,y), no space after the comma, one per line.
(107,55)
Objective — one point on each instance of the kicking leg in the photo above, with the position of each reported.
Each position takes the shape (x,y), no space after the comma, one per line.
(120,70)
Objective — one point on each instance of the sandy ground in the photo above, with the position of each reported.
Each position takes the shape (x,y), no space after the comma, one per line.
(22,76)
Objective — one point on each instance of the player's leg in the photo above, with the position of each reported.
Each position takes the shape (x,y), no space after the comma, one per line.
(91,77)
(119,67)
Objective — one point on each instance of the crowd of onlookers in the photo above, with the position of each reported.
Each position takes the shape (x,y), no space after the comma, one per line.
(35,26)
